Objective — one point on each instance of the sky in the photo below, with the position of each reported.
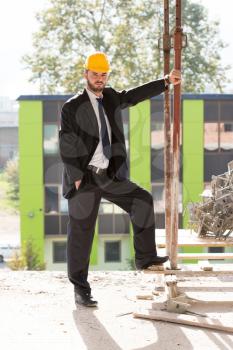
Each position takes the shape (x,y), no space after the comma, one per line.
(17,26)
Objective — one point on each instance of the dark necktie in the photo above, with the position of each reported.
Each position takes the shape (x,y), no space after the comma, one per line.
(104,130)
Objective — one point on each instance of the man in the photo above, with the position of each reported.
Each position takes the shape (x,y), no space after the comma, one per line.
(93,152)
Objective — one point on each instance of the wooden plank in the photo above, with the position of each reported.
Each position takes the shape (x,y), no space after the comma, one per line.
(194,241)
(196,321)
(205,256)
(190,270)
(189,273)
(187,237)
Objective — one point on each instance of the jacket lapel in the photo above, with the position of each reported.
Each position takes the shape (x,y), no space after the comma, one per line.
(88,108)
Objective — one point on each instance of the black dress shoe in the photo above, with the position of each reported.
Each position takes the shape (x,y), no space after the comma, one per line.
(158,260)
(84,298)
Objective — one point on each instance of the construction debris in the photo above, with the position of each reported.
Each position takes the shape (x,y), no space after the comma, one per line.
(198,321)
(213,217)
(145,296)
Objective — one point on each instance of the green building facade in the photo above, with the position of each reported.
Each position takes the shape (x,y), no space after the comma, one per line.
(206,148)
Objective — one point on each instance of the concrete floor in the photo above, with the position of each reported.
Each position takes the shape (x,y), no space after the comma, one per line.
(38,311)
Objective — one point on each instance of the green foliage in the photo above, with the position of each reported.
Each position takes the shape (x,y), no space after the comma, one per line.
(27,259)
(11,175)
(16,262)
(31,256)
(128,31)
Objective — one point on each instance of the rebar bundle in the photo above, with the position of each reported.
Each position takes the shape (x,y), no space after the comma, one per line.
(213,217)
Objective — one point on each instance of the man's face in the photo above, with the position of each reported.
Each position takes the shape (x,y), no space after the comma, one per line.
(96,81)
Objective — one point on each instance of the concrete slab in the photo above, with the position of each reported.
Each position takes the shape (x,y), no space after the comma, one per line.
(38,311)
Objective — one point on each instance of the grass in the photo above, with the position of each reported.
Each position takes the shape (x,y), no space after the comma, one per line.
(7,204)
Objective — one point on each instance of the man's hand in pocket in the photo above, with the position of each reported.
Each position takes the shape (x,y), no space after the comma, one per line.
(77,184)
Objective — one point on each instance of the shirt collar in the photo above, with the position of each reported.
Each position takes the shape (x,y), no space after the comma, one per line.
(92,95)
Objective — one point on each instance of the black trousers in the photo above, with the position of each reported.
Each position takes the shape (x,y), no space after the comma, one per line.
(83,209)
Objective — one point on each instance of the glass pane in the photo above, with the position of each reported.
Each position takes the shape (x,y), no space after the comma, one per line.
(160,220)
(50,139)
(117,209)
(51,111)
(157,165)
(158,196)
(158,193)
(113,251)
(211,110)
(157,135)
(226,136)
(64,222)
(59,252)
(51,224)
(126,131)
(106,207)
(105,223)
(63,205)
(51,200)
(125,119)
(121,223)
(53,168)
(216,249)
(211,136)
(226,111)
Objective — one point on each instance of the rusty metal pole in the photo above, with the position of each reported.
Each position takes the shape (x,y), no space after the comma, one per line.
(167,130)
(176,139)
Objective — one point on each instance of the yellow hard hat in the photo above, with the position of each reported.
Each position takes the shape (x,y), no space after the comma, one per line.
(97,62)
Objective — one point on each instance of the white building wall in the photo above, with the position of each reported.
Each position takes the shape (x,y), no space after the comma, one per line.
(125,253)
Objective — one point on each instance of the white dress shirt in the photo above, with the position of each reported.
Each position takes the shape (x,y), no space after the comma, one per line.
(99,160)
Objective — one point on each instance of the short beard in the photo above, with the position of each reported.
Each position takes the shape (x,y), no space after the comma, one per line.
(94,88)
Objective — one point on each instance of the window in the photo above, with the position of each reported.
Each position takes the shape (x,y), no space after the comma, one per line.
(226,136)
(51,200)
(211,137)
(157,165)
(121,223)
(157,134)
(56,211)
(106,223)
(50,139)
(51,224)
(112,218)
(211,110)
(64,221)
(52,169)
(215,164)
(51,111)
(63,205)
(125,120)
(106,207)
(112,251)
(216,250)
(218,134)
(59,252)
(226,111)
(158,194)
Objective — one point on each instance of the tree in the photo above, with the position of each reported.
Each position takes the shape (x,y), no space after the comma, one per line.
(12,177)
(128,31)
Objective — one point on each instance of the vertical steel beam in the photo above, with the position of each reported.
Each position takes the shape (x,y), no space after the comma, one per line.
(176,139)
(167,130)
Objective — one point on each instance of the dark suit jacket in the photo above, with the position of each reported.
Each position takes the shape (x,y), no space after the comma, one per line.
(79,132)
